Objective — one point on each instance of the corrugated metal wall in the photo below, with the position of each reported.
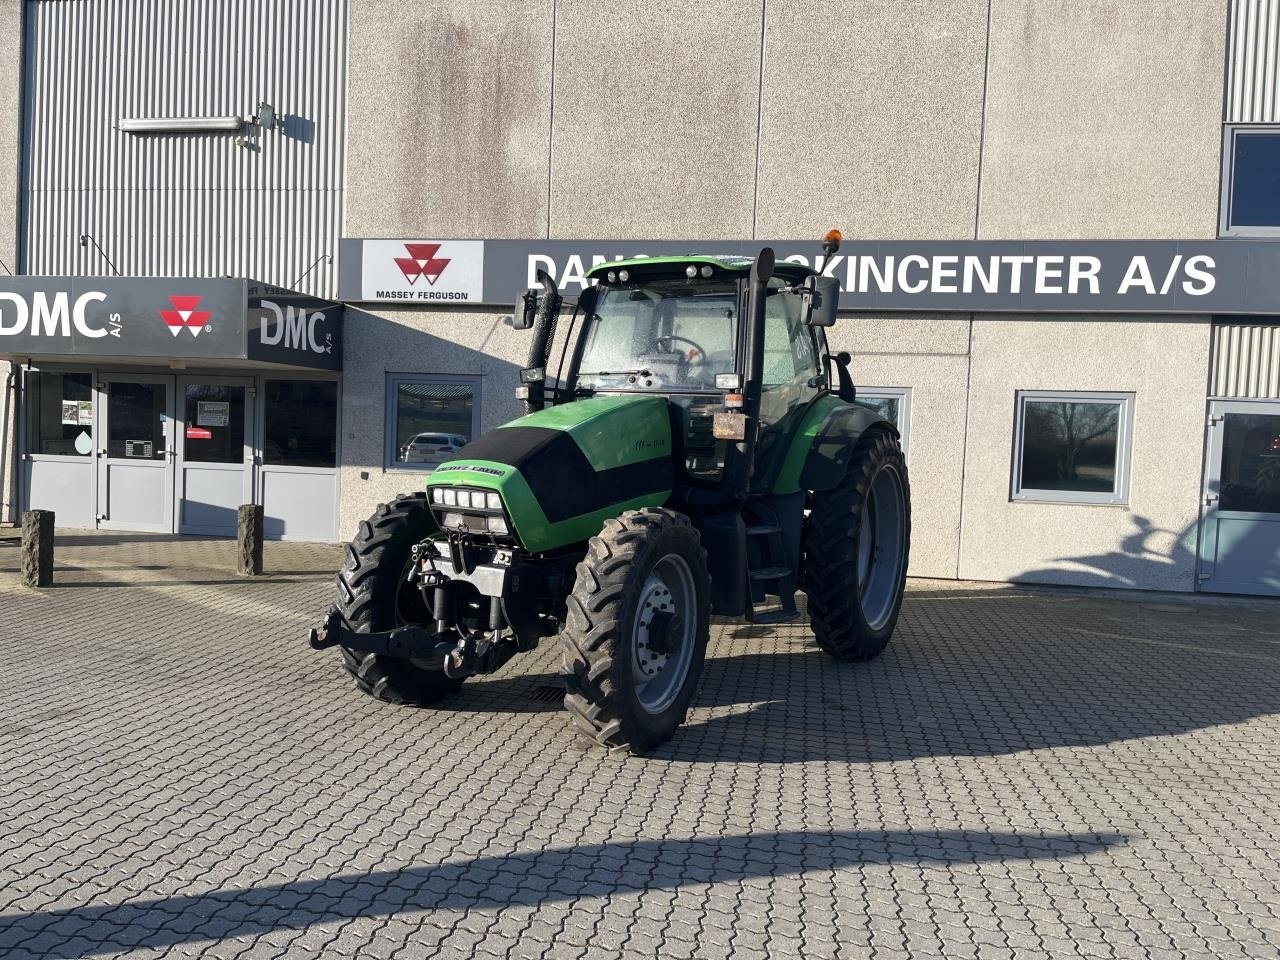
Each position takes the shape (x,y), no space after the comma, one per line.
(208,204)
(1253,61)
(1245,361)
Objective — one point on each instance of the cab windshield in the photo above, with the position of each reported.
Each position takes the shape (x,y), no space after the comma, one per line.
(663,335)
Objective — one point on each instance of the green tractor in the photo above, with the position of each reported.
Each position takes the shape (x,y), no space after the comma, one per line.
(691,457)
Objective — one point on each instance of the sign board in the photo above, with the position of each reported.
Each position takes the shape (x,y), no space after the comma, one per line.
(291,328)
(1022,276)
(167,317)
(407,271)
(212,413)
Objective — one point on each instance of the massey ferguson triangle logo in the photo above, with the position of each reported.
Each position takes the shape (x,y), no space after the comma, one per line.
(185,314)
(422,262)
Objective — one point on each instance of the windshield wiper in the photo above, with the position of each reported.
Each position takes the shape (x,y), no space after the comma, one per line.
(616,373)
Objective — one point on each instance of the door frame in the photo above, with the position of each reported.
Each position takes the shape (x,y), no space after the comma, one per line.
(1211,488)
(102,382)
(248,465)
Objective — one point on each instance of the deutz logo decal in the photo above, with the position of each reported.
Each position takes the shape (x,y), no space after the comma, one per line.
(471,467)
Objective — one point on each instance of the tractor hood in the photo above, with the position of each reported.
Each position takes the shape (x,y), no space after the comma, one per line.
(563,471)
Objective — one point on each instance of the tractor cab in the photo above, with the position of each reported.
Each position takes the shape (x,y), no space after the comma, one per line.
(678,327)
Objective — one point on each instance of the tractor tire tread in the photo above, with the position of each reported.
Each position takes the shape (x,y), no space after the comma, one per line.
(367,581)
(831,561)
(592,627)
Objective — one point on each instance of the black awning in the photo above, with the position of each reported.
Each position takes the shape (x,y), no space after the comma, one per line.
(180,318)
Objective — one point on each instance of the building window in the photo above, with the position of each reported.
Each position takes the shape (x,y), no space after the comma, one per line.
(429,418)
(1072,447)
(1251,182)
(892,403)
(59,409)
(300,423)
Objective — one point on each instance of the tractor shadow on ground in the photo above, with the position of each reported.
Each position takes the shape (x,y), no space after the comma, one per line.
(532,879)
(969,673)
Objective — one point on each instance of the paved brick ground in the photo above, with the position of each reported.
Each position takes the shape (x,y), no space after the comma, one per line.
(1022,774)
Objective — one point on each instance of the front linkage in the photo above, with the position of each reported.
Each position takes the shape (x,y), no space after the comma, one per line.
(483,600)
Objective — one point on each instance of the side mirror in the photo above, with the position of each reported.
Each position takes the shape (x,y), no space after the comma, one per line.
(525,310)
(823,294)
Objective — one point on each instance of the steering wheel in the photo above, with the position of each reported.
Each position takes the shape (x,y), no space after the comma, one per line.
(671,337)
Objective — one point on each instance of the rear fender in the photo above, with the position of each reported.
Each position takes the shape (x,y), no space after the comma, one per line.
(818,457)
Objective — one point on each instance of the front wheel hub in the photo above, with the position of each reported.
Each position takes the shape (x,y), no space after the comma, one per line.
(663,633)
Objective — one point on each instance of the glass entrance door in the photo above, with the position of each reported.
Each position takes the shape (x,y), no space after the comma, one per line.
(135,465)
(1240,524)
(215,454)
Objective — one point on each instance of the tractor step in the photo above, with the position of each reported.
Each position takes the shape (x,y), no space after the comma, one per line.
(770,573)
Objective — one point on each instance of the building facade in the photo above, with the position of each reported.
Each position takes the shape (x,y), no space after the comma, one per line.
(1078,441)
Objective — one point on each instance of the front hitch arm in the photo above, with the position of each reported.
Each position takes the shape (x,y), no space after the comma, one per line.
(409,642)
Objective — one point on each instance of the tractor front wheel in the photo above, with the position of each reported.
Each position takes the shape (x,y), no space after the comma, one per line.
(636,631)
(374,594)
(859,537)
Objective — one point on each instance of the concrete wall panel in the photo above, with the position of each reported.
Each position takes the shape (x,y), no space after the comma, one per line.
(656,108)
(1150,542)
(1103,119)
(932,333)
(872,118)
(449,113)
(893,352)
(431,342)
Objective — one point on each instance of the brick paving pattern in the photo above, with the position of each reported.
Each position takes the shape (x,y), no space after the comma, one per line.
(1025,773)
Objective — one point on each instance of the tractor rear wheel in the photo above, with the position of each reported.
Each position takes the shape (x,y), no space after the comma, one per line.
(636,631)
(859,538)
(373,595)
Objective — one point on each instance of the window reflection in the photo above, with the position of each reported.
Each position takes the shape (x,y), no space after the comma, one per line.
(887,407)
(1251,463)
(432,420)
(1070,446)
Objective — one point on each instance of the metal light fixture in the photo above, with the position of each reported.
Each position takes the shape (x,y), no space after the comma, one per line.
(230,124)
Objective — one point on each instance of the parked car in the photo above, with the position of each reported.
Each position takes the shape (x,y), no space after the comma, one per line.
(425,447)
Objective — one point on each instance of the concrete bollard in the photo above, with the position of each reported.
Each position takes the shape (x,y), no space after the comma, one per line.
(249,540)
(36,559)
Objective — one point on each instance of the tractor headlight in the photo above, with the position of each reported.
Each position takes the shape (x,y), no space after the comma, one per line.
(470,510)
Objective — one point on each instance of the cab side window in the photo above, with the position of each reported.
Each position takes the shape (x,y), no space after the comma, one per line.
(790,355)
